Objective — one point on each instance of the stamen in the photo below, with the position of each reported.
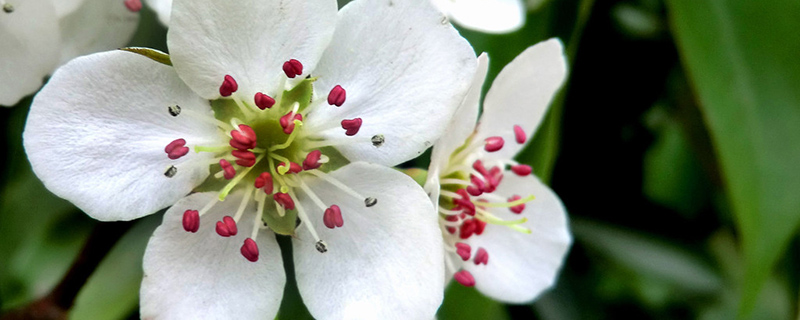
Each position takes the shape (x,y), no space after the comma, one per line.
(284,200)
(176,149)
(522,169)
(337,96)
(250,250)
(464,278)
(321,246)
(312,160)
(370,201)
(227,168)
(378,140)
(292,68)
(174,110)
(290,131)
(191,221)
(263,101)
(493,144)
(288,127)
(301,213)
(481,257)
(228,87)
(264,180)
(333,217)
(133,5)
(454,181)
(463,250)
(244,158)
(227,189)
(213,149)
(516,209)
(244,138)
(8,8)
(292,168)
(242,205)
(227,227)
(338,184)
(505,204)
(351,126)
(171,171)
(519,134)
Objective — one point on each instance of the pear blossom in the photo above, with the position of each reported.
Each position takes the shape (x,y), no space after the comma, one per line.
(275,117)
(490,16)
(40,35)
(162,9)
(505,232)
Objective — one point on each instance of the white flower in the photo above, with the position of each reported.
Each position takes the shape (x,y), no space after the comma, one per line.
(490,16)
(40,35)
(505,232)
(298,95)
(162,9)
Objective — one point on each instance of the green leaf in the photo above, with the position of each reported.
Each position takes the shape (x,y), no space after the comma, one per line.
(742,59)
(465,303)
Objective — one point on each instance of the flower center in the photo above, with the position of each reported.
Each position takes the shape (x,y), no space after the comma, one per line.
(467,191)
(269,153)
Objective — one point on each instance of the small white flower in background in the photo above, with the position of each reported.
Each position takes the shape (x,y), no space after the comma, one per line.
(37,36)
(505,232)
(266,114)
(490,16)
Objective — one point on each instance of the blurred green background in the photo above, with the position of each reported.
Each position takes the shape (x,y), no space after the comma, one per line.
(675,146)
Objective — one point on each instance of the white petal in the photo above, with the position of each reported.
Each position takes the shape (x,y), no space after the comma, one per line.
(203,275)
(491,16)
(248,40)
(96,135)
(463,123)
(163,9)
(94,26)
(520,265)
(405,73)
(385,262)
(30,48)
(65,7)
(521,94)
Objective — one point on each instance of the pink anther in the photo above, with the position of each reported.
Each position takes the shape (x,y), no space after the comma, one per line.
(284,200)
(263,101)
(191,221)
(337,96)
(463,250)
(244,158)
(244,138)
(522,169)
(227,227)
(493,144)
(518,208)
(312,160)
(333,217)
(133,5)
(464,203)
(479,226)
(351,126)
(176,149)
(477,186)
(288,126)
(293,167)
(250,250)
(292,68)
(464,278)
(264,180)
(227,168)
(228,87)
(481,257)
(519,134)
(478,166)
(467,228)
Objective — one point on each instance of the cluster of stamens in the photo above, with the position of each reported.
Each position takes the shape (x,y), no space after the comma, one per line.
(271,162)
(467,192)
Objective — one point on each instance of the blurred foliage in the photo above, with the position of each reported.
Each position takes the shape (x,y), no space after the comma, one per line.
(672,145)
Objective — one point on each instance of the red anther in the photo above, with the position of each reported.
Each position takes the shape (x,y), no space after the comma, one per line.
(477,186)
(475,191)
(479,226)
(478,166)
(522,169)
(351,126)
(518,208)
(467,228)
(191,221)
(337,96)
(228,87)
(250,250)
(463,250)
(176,149)
(227,168)
(284,200)
(481,257)
(293,167)
(519,134)
(452,218)
(264,180)
(464,278)
(493,144)
(133,5)
(244,138)
(244,158)
(288,126)
(227,227)
(333,217)
(263,101)
(292,68)
(451,230)
(312,160)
